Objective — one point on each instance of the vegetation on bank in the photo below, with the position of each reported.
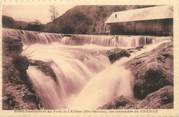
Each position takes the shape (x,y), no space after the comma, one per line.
(18,92)
(9,22)
(83,19)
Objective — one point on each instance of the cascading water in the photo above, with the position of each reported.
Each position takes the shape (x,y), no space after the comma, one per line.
(114,81)
(85,78)
(72,68)
(122,41)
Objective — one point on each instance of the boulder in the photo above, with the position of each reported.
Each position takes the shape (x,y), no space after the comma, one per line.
(117,54)
(45,68)
(9,102)
(12,46)
(120,103)
(10,73)
(160,99)
(21,63)
(152,70)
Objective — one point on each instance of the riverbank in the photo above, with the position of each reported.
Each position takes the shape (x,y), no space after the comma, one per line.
(63,70)
(18,92)
(153,83)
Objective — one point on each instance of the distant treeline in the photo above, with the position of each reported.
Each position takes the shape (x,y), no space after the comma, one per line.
(83,19)
(9,22)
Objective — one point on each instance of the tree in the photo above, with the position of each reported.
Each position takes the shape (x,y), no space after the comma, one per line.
(54,12)
(34,26)
(8,21)
(67,29)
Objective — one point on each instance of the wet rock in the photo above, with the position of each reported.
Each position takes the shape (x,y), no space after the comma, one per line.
(139,48)
(152,70)
(16,84)
(9,102)
(117,54)
(10,73)
(31,97)
(120,103)
(12,45)
(131,50)
(21,63)
(45,68)
(160,99)
(151,80)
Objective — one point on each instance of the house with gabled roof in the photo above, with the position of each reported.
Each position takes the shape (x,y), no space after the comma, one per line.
(156,20)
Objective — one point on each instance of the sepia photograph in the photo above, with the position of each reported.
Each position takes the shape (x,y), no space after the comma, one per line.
(87,57)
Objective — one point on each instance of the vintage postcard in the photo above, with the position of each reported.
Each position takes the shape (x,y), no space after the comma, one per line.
(89,58)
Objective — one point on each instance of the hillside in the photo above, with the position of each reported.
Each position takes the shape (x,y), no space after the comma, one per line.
(9,22)
(85,19)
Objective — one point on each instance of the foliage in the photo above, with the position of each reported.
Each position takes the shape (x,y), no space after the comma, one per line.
(7,21)
(34,26)
(85,19)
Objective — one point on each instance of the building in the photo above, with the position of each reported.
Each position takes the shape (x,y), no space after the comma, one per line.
(156,20)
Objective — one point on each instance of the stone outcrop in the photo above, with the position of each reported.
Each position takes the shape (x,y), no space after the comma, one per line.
(18,91)
(153,83)
(121,103)
(160,99)
(44,67)
(117,54)
(152,70)
(12,46)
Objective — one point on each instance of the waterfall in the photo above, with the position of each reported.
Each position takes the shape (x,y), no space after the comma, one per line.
(51,94)
(112,82)
(125,41)
(73,69)
(83,77)
(30,37)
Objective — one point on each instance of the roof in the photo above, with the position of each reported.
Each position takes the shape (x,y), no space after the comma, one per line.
(149,13)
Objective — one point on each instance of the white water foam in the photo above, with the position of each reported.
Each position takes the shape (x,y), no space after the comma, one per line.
(85,77)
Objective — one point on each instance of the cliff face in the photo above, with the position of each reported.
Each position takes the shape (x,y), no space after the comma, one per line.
(18,91)
(153,84)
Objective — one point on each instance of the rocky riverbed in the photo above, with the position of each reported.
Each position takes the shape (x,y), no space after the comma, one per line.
(153,84)
(18,92)
(152,71)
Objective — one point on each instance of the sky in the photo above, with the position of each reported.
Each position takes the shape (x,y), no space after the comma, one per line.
(33,12)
